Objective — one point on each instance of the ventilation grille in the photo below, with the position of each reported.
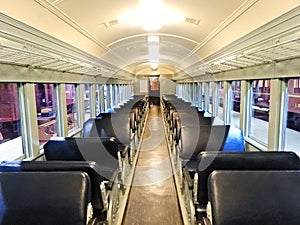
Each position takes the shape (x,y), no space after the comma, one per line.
(111,23)
(192,21)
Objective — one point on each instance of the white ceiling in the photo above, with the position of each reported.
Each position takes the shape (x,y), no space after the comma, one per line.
(81,23)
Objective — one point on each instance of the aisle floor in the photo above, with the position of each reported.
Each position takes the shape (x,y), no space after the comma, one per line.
(153,197)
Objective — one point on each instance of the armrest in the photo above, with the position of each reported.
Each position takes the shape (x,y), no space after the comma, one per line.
(110,183)
(188,178)
(124,149)
(205,221)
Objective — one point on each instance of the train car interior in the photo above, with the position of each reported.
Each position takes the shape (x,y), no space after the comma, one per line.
(149,112)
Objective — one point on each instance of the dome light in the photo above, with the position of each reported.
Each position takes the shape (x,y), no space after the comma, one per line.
(151,15)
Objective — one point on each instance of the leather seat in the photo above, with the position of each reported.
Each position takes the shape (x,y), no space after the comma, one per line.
(254,197)
(104,151)
(44,198)
(210,161)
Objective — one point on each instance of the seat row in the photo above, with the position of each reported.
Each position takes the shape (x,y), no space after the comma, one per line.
(191,131)
(124,123)
(103,156)
(205,155)
(195,185)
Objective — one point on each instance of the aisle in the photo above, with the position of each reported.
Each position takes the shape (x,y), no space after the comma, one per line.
(153,198)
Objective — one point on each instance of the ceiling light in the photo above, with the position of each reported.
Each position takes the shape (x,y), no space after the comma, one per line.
(154,65)
(151,15)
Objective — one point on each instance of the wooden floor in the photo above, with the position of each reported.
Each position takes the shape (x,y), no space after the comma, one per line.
(153,198)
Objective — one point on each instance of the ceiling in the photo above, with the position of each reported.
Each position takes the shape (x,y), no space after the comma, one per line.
(95,27)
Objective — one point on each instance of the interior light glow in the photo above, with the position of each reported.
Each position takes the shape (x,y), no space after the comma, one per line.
(153,39)
(151,15)
(154,65)
(153,52)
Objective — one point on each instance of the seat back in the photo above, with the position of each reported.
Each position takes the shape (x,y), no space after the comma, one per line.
(227,138)
(255,197)
(103,151)
(193,140)
(91,168)
(48,198)
(210,161)
(115,125)
(210,138)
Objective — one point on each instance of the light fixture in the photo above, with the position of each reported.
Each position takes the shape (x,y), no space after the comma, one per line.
(154,65)
(151,15)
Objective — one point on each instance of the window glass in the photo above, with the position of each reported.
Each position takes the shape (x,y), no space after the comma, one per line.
(201,95)
(46,112)
(220,100)
(10,131)
(72,111)
(113,95)
(106,97)
(292,132)
(259,111)
(236,99)
(98,102)
(87,102)
(210,97)
(196,94)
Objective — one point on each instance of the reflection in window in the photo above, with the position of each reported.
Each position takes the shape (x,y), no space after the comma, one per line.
(87,102)
(71,107)
(259,118)
(236,100)
(46,112)
(292,133)
(10,131)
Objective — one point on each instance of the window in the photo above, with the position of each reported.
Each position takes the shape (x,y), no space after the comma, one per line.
(106,96)
(72,111)
(46,111)
(210,96)
(10,131)
(259,110)
(87,102)
(235,104)
(196,94)
(201,96)
(220,100)
(292,132)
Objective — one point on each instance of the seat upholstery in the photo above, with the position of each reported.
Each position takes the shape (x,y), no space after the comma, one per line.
(210,138)
(255,197)
(210,161)
(101,150)
(44,198)
(109,125)
(91,168)
(227,138)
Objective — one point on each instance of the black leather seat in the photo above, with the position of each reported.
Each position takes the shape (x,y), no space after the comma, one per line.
(209,138)
(91,168)
(254,198)
(210,161)
(109,125)
(104,151)
(44,198)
